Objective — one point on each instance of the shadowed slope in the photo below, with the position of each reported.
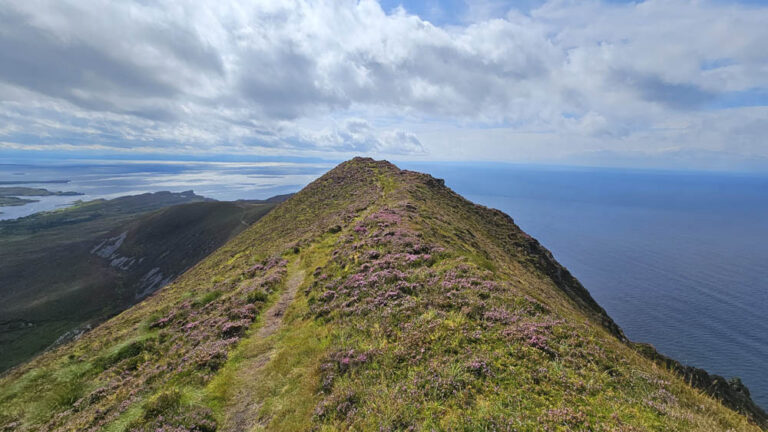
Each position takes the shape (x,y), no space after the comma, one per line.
(64,272)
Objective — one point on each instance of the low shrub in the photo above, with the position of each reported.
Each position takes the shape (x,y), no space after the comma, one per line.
(129,350)
(207,298)
(257,296)
(163,403)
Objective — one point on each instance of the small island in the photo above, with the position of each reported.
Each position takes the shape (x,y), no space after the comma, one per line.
(10,196)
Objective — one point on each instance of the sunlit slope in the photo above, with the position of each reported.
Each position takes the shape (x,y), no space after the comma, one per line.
(374,299)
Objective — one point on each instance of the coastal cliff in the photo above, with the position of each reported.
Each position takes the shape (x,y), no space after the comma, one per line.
(374,299)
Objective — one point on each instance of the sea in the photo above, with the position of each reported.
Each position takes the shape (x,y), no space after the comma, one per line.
(679,259)
(97,179)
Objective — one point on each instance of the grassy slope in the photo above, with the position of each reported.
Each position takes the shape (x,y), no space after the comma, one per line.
(53,283)
(419,311)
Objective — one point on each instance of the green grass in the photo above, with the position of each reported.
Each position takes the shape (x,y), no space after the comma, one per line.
(207,298)
(418,311)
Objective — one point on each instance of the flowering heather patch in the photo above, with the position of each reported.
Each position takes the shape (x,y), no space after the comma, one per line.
(500,315)
(186,345)
(162,322)
(235,328)
(479,368)
(661,400)
(275,262)
(247,312)
(386,274)
(360,229)
(556,418)
(340,405)
(341,362)
(211,355)
(533,333)
(255,269)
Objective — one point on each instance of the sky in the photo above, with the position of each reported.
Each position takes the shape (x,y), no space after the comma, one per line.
(660,84)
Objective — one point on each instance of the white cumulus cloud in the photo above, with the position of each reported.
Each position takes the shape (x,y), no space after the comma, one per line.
(317,77)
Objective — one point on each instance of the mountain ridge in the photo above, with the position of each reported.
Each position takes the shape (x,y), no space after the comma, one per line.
(414,310)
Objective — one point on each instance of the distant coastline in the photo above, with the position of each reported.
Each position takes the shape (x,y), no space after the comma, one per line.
(11,196)
(34,182)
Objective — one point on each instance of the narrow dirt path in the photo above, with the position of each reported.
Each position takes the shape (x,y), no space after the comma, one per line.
(273,317)
(244,410)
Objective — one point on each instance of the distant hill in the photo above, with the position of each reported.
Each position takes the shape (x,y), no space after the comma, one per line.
(65,271)
(374,299)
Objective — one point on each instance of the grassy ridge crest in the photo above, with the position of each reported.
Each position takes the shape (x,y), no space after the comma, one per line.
(414,310)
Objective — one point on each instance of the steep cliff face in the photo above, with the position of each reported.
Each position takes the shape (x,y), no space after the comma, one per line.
(374,299)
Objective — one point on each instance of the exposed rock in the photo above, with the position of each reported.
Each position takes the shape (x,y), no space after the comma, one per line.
(108,247)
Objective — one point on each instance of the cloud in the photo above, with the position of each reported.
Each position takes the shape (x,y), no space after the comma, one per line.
(358,136)
(345,76)
(66,57)
(655,89)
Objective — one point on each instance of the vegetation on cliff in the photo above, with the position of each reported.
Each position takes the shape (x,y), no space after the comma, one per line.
(389,303)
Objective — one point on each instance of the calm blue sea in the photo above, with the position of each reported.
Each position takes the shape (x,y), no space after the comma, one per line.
(678,259)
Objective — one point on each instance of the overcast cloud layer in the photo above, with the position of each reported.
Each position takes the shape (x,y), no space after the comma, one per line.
(583,81)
